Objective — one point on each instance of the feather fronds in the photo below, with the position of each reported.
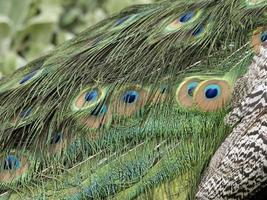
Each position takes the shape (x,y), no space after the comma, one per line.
(130,106)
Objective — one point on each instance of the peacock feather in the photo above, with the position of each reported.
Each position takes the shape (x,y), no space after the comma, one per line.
(134,107)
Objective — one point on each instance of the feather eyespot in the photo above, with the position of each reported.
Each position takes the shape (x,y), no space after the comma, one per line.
(101,116)
(12,168)
(29,77)
(182,21)
(88,98)
(11,163)
(185,92)
(259,37)
(212,95)
(129,100)
(20,80)
(57,143)
(191,88)
(198,31)
(56,139)
(23,115)
(175,25)
(130,96)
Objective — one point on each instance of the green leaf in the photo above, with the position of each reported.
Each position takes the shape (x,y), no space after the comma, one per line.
(5,31)
(10,62)
(15,10)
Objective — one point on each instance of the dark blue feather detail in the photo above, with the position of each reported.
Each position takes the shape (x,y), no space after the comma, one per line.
(121,20)
(11,163)
(27,77)
(91,96)
(25,113)
(198,31)
(191,88)
(212,91)
(264,36)
(163,89)
(56,138)
(130,96)
(186,17)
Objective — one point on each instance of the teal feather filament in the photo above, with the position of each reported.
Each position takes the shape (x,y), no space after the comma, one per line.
(100,111)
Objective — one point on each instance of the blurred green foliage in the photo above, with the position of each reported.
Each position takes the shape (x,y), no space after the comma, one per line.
(29,28)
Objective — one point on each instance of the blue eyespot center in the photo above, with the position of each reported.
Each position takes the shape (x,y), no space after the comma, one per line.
(191,88)
(212,91)
(130,96)
(121,20)
(198,31)
(25,113)
(264,36)
(100,111)
(91,96)
(56,138)
(11,163)
(186,17)
(27,77)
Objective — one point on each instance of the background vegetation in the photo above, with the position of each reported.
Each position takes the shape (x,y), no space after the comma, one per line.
(29,28)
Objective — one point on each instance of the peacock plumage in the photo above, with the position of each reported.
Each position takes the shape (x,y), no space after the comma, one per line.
(161,101)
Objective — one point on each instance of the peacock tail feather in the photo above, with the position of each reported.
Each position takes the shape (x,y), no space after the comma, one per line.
(133,107)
